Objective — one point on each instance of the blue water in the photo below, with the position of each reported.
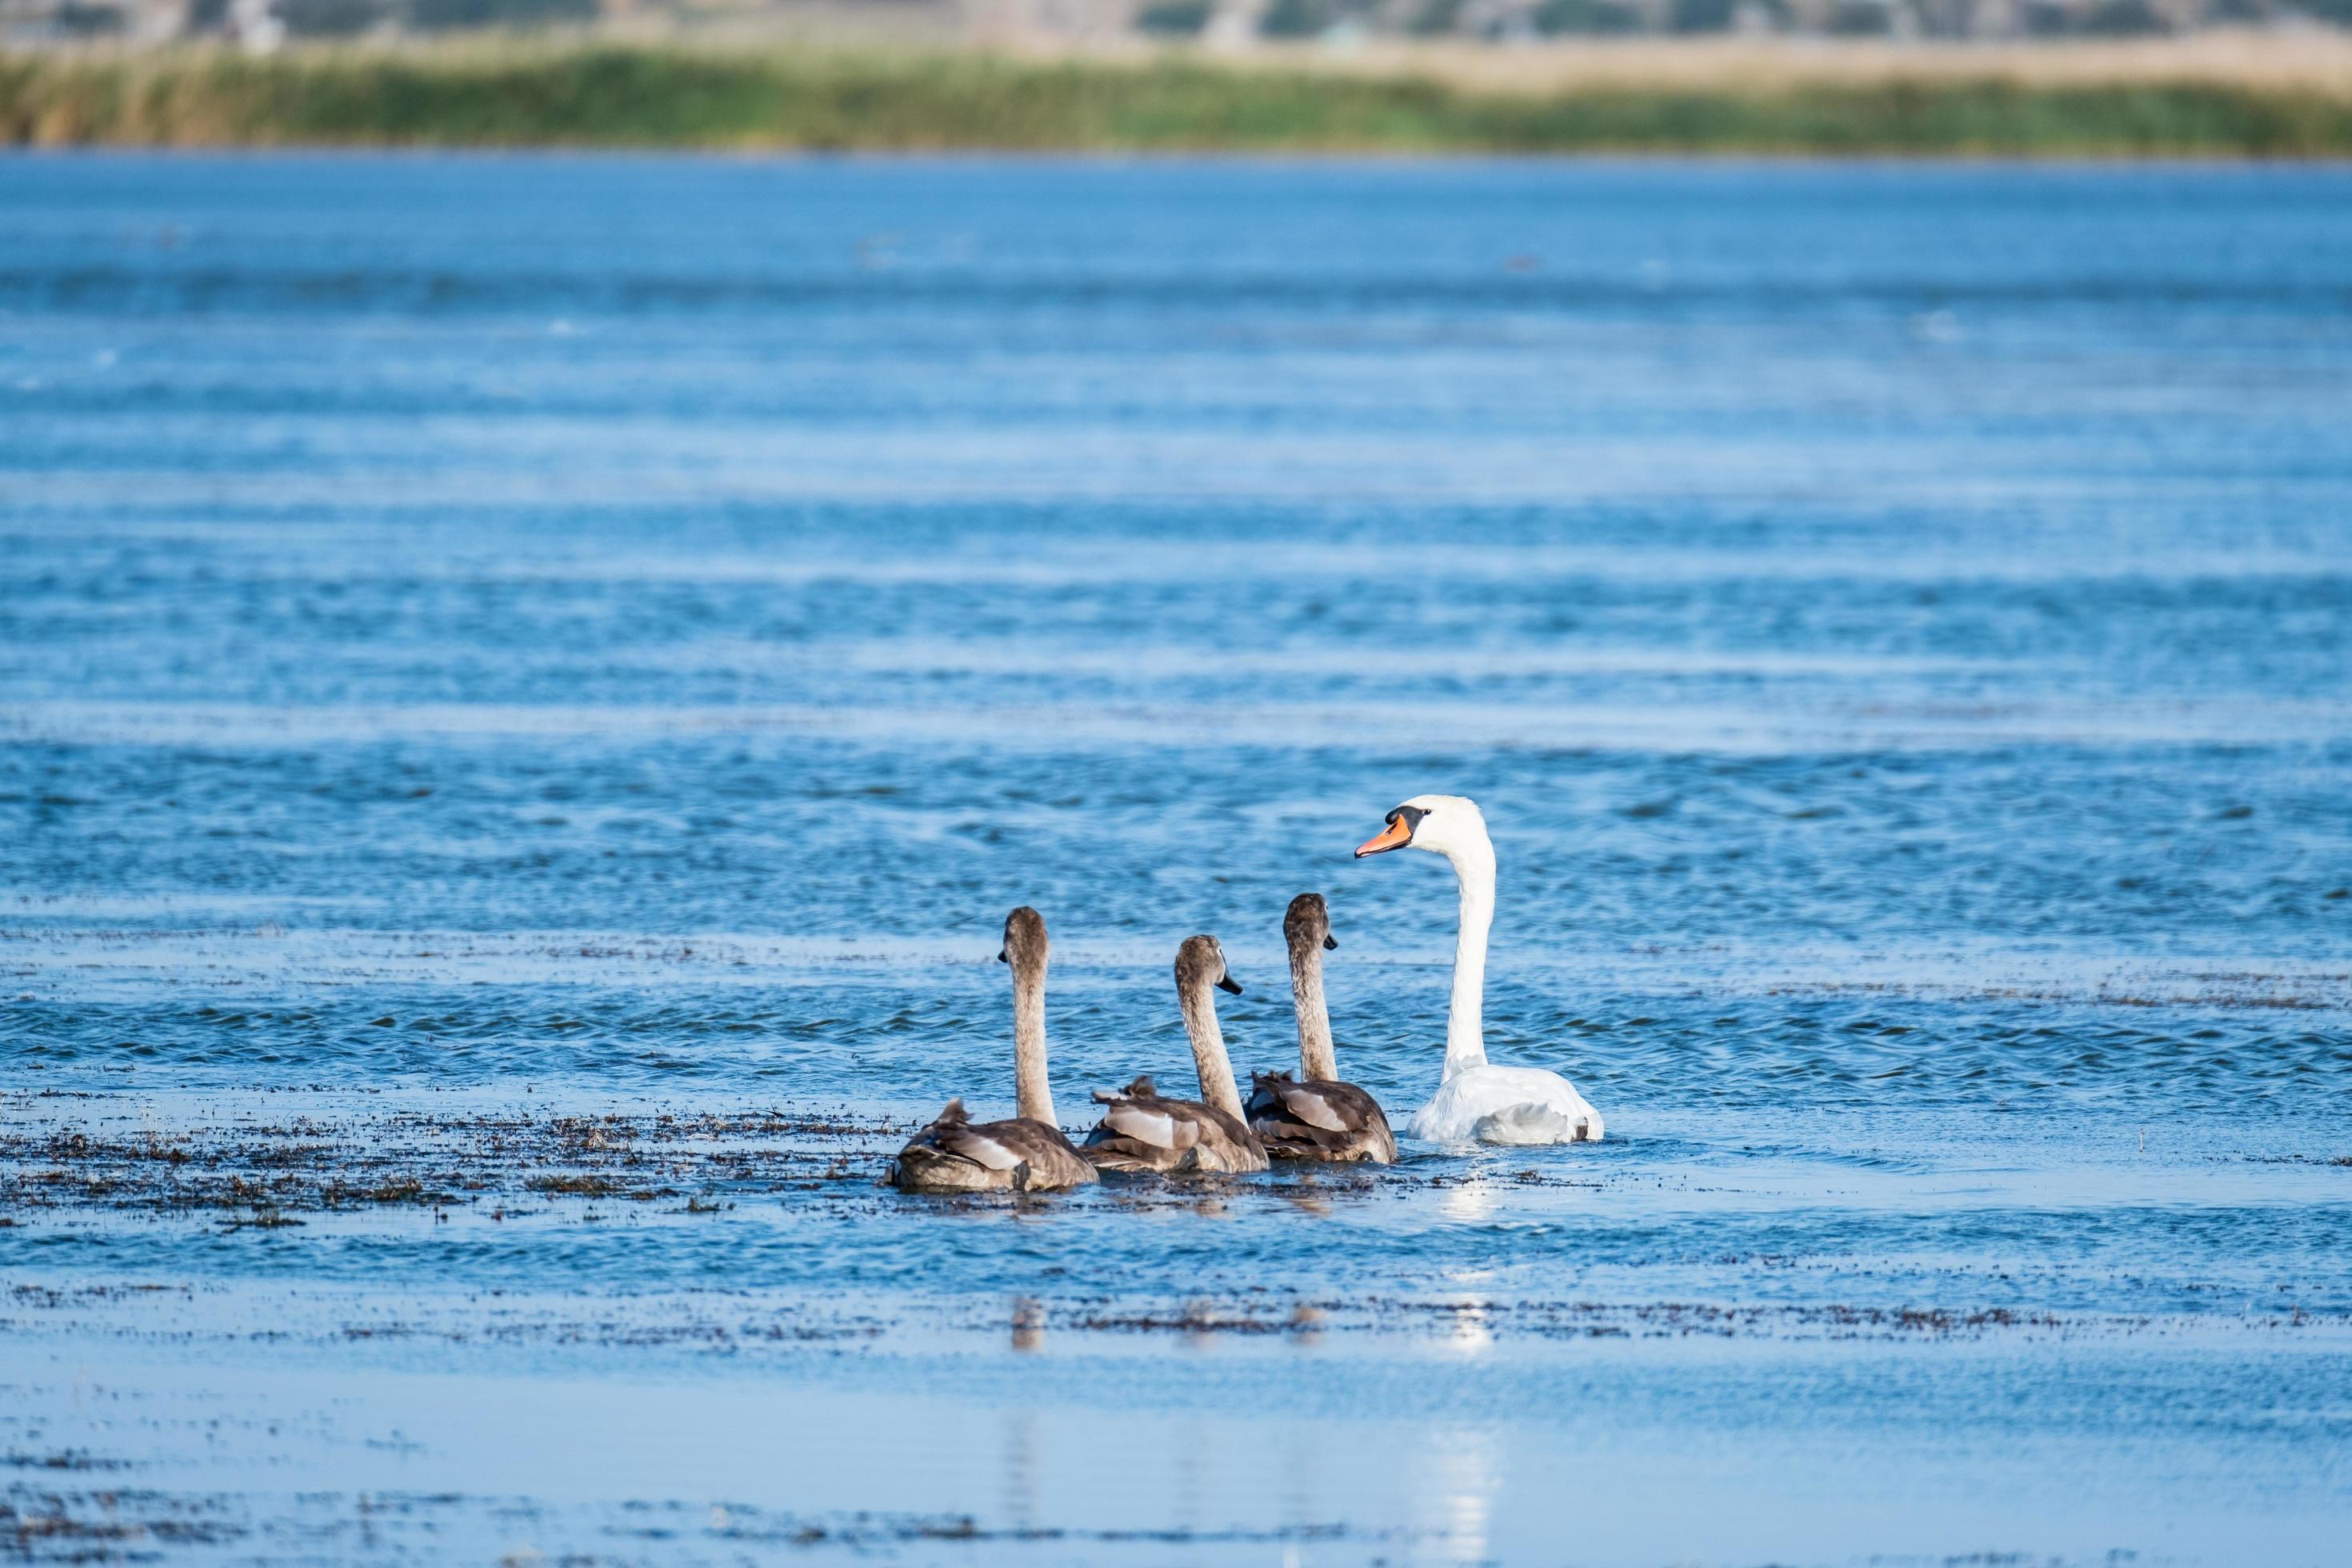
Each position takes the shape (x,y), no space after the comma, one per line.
(485,639)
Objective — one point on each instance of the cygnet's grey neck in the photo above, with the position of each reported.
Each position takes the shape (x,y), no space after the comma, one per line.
(1306,936)
(1196,978)
(1026,951)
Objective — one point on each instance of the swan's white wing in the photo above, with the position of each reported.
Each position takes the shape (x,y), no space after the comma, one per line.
(1506,1105)
(1526,1125)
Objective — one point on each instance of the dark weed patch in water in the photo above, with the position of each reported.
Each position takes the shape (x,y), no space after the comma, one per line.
(426,1162)
(54,1526)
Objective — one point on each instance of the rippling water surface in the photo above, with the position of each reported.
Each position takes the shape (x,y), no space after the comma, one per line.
(527,684)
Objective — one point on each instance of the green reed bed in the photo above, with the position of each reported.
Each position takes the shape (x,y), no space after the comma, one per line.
(648,97)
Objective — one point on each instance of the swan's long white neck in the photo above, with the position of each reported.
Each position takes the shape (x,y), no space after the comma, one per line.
(1217,1087)
(1031,1088)
(1466,1037)
(1316,1060)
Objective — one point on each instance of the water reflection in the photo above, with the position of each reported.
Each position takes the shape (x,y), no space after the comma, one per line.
(1302,1491)
(1307,1324)
(1028,1323)
(1308,1199)
(1471,1334)
(1469,1201)
(1199,1320)
(1021,1464)
(1192,1491)
(1464,1478)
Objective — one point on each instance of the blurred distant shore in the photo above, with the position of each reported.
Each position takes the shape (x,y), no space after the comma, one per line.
(2270,92)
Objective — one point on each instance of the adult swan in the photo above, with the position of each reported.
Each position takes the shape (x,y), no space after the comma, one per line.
(1478,1101)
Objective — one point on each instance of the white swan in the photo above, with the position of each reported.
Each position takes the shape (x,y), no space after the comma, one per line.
(1478,1102)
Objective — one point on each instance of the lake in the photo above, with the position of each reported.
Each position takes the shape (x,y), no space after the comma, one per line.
(529,684)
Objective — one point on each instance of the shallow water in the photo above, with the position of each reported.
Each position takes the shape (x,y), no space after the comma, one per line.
(529,684)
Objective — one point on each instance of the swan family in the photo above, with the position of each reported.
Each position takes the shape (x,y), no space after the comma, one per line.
(1313,1116)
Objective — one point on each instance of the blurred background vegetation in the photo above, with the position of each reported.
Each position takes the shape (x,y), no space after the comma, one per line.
(2004,77)
(262,23)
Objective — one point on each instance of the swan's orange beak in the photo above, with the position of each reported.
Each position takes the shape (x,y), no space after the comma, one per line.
(1396,836)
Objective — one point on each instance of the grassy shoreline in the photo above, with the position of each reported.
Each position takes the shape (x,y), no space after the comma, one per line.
(594,94)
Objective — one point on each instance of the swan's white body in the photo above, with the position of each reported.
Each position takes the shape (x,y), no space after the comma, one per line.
(1487,1104)
(1476,1101)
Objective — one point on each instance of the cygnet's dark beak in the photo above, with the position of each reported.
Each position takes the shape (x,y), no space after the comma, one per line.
(1330,943)
(1230,984)
(1002,957)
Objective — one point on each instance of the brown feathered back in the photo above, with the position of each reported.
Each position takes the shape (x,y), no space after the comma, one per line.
(1318,1121)
(1142,1130)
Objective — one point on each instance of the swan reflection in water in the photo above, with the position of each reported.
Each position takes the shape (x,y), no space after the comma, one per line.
(1472,1333)
(1028,1323)
(1021,1465)
(1470,1201)
(1464,1475)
